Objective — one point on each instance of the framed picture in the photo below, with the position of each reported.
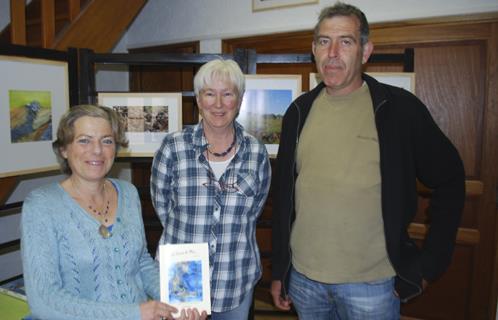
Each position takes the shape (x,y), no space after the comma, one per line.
(34,94)
(148,117)
(259,5)
(10,234)
(265,101)
(405,80)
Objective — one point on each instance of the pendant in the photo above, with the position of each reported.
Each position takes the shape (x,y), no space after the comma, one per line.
(104,232)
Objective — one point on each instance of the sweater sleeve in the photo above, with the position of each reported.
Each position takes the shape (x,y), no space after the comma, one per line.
(39,246)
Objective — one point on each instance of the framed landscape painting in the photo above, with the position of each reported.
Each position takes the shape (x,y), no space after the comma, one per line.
(34,94)
(265,101)
(405,80)
(148,117)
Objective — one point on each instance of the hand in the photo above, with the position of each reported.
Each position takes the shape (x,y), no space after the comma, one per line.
(154,310)
(281,303)
(192,314)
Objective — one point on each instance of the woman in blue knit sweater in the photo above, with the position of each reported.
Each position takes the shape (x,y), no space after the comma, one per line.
(83,242)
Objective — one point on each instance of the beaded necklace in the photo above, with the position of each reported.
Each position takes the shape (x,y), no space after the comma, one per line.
(224,153)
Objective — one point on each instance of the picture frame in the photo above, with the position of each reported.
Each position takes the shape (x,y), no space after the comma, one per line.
(184,276)
(148,118)
(405,80)
(265,101)
(35,93)
(260,5)
(10,235)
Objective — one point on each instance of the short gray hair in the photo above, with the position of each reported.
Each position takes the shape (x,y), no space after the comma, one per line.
(343,9)
(220,69)
(65,131)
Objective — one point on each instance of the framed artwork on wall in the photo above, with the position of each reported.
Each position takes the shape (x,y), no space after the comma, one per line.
(34,94)
(405,80)
(10,234)
(148,117)
(260,5)
(265,101)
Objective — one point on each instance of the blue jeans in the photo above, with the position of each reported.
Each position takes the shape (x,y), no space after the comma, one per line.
(349,301)
(239,313)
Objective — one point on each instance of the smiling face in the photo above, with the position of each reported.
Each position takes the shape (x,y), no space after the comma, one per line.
(91,153)
(218,104)
(339,54)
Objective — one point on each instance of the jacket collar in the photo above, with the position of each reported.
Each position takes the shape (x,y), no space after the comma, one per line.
(378,92)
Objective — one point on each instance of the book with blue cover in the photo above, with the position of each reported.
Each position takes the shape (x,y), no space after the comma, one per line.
(184,276)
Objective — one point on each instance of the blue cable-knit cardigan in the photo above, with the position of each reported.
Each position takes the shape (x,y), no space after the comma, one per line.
(71,272)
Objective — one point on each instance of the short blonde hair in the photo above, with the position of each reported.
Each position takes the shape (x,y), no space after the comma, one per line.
(219,69)
(65,132)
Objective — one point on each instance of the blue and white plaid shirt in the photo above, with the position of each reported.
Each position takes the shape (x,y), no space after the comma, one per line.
(195,207)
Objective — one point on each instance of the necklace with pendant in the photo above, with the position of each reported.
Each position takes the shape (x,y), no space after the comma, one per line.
(101,214)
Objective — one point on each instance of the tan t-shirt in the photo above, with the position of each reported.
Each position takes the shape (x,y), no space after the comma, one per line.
(338,235)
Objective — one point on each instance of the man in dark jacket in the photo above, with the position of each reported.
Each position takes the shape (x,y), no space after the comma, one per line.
(350,153)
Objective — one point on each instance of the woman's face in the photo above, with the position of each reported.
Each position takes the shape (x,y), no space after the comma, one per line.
(91,153)
(218,104)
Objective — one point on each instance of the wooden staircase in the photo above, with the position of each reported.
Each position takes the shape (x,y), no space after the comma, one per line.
(59,24)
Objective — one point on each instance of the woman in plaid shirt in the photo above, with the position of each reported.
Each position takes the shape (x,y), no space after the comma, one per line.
(209,183)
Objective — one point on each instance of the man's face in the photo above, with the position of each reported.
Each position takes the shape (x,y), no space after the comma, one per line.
(339,54)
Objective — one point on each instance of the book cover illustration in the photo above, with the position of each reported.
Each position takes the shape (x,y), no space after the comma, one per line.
(184,276)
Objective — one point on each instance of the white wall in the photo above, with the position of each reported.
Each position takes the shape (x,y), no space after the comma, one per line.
(175,21)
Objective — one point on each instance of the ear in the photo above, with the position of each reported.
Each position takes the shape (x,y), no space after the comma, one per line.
(313,47)
(63,152)
(367,51)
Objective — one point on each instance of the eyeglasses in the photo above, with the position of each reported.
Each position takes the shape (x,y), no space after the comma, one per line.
(222,186)
(228,186)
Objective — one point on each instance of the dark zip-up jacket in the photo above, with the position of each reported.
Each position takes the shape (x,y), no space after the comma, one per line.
(411,147)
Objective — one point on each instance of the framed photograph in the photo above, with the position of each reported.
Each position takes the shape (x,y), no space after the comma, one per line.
(405,80)
(259,5)
(148,117)
(10,235)
(184,276)
(265,101)
(34,94)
